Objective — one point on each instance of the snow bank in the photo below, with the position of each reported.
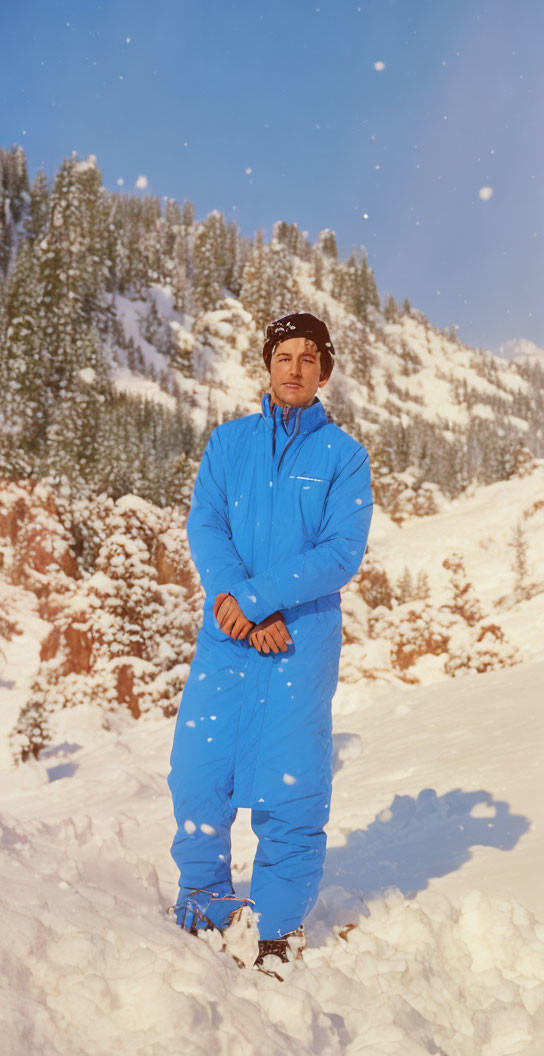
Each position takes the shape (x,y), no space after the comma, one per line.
(92,964)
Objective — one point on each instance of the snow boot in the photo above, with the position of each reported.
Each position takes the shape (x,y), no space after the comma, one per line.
(287,948)
(235,938)
(191,916)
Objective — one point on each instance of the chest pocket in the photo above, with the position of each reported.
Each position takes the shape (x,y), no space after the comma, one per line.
(309,491)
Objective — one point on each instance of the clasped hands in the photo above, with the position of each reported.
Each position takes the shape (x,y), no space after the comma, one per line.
(270,634)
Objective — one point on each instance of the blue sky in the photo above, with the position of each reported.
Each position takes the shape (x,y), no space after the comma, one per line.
(277,110)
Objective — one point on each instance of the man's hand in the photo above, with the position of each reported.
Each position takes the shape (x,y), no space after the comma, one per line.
(271,634)
(230,617)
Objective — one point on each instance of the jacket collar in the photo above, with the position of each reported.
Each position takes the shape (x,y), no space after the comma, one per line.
(308,418)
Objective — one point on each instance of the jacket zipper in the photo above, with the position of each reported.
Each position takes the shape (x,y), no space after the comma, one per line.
(295,434)
(274,490)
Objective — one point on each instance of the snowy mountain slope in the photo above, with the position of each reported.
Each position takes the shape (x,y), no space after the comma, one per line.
(478,527)
(386,371)
(424,363)
(479,524)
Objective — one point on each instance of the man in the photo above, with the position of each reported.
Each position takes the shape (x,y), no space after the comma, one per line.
(279,521)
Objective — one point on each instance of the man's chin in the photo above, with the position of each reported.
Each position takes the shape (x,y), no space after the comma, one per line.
(294,397)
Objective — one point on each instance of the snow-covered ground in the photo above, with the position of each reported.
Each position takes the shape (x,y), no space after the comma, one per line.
(434,847)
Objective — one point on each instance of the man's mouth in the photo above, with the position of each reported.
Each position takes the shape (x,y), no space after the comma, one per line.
(292,385)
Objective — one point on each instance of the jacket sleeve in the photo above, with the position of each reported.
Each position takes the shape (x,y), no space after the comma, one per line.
(331,562)
(217,561)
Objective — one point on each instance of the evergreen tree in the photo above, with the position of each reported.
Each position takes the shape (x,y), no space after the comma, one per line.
(317,268)
(405,586)
(207,267)
(14,196)
(518,543)
(327,243)
(464,601)
(372,297)
(255,294)
(24,369)
(391,311)
(338,284)
(354,292)
(422,588)
(283,287)
(37,217)
(235,260)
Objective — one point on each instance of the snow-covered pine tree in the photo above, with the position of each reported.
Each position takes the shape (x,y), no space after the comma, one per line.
(14,195)
(337,280)
(464,601)
(207,269)
(327,243)
(518,543)
(391,311)
(235,258)
(422,588)
(255,293)
(317,269)
(283,286)
(354,292)
(37,215)
(405,586)
(23,369)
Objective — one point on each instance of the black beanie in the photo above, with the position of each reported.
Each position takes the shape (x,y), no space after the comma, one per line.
(298,324)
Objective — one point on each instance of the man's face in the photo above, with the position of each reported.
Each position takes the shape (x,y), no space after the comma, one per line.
(295,369)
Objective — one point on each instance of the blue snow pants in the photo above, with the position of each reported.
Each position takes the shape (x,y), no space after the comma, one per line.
(279,518)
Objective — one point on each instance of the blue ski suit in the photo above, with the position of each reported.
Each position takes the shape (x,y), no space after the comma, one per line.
(279,518)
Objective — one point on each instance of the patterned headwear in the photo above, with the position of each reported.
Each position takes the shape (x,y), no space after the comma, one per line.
(298,324)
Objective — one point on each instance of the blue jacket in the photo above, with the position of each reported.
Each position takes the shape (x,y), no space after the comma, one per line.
(280,517)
